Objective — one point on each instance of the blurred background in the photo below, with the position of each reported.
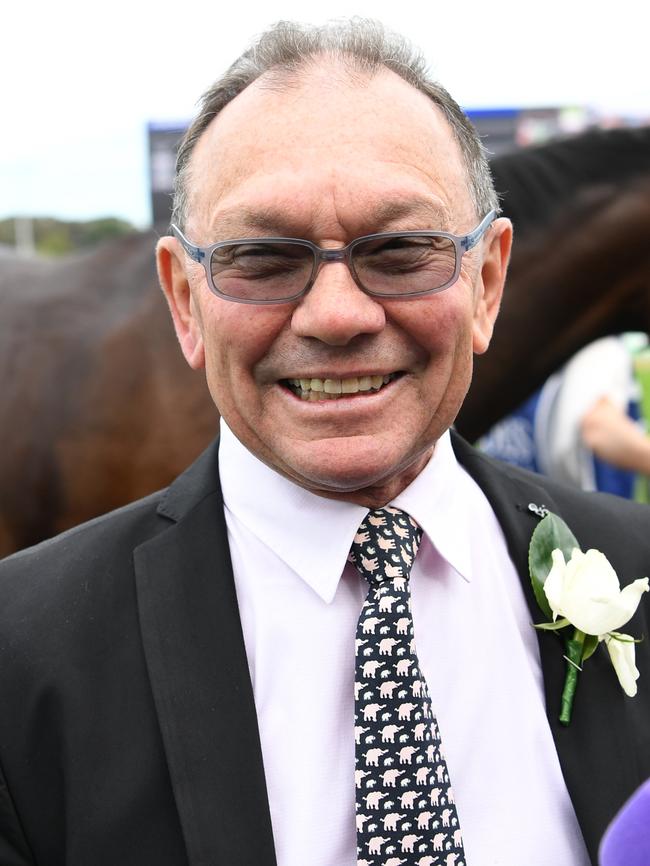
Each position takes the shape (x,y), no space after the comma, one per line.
(97,405)
(94,96)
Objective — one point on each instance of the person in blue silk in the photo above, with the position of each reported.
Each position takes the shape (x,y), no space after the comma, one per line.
(585,425)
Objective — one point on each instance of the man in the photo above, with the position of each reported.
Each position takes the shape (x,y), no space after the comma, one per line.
(177,678)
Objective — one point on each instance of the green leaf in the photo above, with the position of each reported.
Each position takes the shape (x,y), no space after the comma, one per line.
(625,638)
(591,642)
(551,626)
(550,533)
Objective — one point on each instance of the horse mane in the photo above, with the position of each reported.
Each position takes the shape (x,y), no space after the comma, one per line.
(536,183)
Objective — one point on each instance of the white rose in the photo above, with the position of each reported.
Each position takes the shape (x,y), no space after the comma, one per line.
(587,592)
(621,652)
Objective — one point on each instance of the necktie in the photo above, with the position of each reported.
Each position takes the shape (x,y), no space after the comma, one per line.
(404,802)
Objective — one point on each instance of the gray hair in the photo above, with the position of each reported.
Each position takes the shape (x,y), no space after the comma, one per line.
(361,46)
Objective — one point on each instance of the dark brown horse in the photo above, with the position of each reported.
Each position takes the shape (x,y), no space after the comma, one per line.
(97,406)
(580,267)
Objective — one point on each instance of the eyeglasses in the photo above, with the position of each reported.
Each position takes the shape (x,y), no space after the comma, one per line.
(386,265)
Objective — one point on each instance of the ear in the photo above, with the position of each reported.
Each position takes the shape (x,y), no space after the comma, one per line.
(490,282)
(170,260)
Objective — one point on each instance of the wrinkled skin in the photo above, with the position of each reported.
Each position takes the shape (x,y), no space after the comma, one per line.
(338,159)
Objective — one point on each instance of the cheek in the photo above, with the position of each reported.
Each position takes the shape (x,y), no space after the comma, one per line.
(237,337)
(442,326)
(444,331)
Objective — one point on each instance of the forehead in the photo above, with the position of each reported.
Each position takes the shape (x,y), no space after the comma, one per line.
(328,151)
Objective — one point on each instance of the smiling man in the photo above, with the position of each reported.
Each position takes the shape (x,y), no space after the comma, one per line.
(288,656)
(336,158)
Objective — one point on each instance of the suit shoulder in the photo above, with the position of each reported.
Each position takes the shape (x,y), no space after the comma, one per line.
(593,504)
(599,520)
(90,551)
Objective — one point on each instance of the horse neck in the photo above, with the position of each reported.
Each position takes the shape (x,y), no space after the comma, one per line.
(586,278)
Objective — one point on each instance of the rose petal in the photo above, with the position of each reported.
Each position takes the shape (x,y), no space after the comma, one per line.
(592,599)
(590,575)
(621,652)
(599,616)
(554,583)
(631,596)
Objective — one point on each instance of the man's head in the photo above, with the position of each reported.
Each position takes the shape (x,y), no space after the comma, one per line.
(313,135)
(363,47)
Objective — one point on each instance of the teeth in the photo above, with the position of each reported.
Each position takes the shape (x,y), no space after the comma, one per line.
(332,386)
(331,389)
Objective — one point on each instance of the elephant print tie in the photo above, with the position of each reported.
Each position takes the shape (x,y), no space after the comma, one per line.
(405,808)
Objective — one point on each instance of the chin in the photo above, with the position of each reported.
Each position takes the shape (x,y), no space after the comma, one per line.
(334,469)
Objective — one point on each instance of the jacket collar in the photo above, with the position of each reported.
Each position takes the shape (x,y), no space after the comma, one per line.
(199,675)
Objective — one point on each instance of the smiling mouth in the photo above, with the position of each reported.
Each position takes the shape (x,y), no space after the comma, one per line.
(334,389)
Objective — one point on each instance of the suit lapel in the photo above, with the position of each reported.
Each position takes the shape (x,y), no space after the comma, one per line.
(599,770)
(200,679)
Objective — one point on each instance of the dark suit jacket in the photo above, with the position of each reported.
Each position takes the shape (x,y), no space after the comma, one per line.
(128,732)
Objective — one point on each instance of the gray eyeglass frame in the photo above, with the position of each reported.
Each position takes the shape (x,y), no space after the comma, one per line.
(462,243)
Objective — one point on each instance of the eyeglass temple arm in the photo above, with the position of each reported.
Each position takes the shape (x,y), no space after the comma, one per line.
(193,252)
(474,237)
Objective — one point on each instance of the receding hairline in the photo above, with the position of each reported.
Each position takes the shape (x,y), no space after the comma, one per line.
(353,71)
(337,75)
(342,73)
(361,49)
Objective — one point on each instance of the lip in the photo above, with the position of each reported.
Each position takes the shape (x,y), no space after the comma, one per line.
(354,374)
(359,402)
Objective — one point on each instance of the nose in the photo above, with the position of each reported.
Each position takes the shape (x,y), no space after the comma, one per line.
(335,310)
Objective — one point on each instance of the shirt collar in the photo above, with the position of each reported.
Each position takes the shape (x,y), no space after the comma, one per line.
(440,499)
(313,534)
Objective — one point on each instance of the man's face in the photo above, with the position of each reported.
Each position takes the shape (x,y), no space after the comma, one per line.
(329,159)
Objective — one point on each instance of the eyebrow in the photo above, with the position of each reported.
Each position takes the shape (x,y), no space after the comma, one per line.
(259,220)
(395,210)
(281,222)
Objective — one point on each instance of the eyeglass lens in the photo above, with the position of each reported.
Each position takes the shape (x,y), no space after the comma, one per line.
(383,266)
(404,265)
(262,271)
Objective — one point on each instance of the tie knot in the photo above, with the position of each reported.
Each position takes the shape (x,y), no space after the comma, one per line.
(385,545)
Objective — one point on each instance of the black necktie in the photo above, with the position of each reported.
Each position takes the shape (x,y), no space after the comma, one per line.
(405,807)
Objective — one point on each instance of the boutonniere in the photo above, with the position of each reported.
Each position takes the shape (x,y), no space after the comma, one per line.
(581,596)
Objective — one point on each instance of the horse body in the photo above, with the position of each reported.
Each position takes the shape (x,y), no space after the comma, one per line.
(99,408)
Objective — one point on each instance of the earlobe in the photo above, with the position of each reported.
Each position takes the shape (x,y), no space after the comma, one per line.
(491,282)
(175,285)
